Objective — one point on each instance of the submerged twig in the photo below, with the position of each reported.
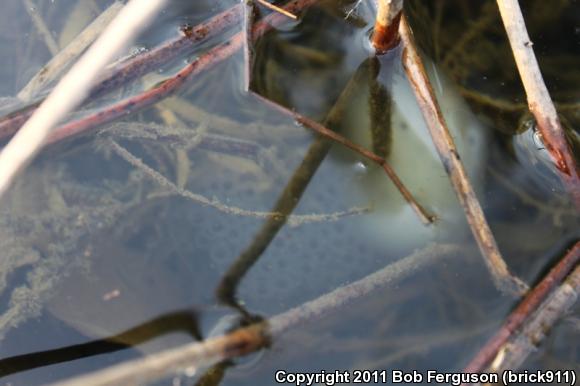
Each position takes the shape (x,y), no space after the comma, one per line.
(132,68)
(539,101)
(214,203)
(73,88)
(147,61)
(60,61)
(245,340)
(40,25)
(386,33)
(524,310)
(288,198)
(447,151)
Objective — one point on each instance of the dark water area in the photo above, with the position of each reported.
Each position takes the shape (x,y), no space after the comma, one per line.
(115,242)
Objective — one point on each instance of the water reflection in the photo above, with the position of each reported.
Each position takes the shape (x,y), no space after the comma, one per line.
(96,224)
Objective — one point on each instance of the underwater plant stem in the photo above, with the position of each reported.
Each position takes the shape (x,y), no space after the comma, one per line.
(421,212)
(288,198)
(539,100)
(73,88)
(386,32)
(149,97)
(523,312)
(60,61)
(447,151)
(42,28)
(132,68)
(147,61)
(260,335)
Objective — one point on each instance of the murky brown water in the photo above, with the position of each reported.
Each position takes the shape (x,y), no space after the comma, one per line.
(100,237)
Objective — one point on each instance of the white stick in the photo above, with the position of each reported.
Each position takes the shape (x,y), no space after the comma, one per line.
(74,87)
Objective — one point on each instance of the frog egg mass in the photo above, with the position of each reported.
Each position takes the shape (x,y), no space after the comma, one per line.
(412,155)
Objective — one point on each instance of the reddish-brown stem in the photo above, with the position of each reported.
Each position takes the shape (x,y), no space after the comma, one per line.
(147,98)
(523,311)
(139,65)
(386,32)
(422,213)
(247,339)
(447,151)
(539,101)
(143,63)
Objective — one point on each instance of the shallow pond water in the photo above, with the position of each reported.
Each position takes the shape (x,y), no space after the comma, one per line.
(125,233)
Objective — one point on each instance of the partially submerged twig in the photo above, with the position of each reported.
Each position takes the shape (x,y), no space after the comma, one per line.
(447,151)
(539,101)
(524,310)
(514,352)
(73,88)
(386,33)
(249,339)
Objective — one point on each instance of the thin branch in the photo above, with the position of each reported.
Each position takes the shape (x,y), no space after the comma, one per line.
(539,101)
(157,57)
(386,32)
(275,8)
(295,220)
(421,212)
(523,311)
(514,352)
(447,150)
(73,88)
(289,197)
(123,73)
(245,340)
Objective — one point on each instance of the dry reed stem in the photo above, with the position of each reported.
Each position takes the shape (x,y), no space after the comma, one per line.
(447,151)
(522,313)
(421,212)
(61,60)
(275,8)
(386,32)
(539,101)
(245,340)
(73,88)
